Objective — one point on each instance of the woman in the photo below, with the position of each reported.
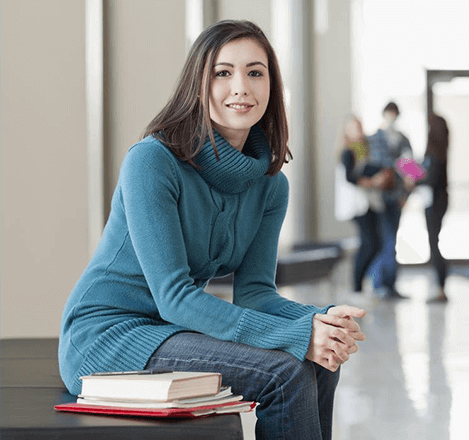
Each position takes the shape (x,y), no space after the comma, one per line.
(436,177)
(200,196)
(364,202)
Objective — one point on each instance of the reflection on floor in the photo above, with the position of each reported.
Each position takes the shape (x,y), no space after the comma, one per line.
(410,379)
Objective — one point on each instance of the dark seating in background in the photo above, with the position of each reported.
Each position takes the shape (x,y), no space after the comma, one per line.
(306,262)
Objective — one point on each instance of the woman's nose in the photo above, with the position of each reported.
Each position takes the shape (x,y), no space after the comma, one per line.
(240,85)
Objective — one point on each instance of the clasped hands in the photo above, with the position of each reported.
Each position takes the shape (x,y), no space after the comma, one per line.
(335,336)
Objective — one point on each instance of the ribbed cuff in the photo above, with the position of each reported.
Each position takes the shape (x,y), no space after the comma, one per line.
(273,332)
(295,310)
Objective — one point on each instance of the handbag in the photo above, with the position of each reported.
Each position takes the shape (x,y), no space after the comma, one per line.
(350,200)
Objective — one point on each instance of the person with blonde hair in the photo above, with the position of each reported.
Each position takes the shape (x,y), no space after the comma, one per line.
(359,197)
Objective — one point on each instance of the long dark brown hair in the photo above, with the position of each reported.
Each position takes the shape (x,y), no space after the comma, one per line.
(184,123)
(438,138)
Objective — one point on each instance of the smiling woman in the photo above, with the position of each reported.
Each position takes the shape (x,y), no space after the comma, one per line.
(201,196)
(186,119)
(239,90)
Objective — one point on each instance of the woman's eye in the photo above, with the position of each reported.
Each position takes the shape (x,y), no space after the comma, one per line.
(255,73)
(222,73)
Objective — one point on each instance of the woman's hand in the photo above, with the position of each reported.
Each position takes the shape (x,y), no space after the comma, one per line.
(330,345)
(346,314)
(334,336)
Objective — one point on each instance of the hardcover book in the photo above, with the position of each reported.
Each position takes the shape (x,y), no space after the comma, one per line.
(146,386)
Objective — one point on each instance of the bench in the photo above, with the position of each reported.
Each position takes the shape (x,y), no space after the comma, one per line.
(31,386)
(305,262)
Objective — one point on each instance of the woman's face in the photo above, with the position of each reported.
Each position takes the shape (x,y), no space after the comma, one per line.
(353,130)
(239,89)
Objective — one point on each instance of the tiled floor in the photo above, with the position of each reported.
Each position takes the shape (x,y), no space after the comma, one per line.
(410,379)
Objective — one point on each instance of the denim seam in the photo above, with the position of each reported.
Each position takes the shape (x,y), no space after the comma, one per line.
(276,376)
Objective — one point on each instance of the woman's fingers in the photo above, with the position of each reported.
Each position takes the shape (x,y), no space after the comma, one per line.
(334,336)
(339,335)
(358,336)
(332,319)
(348,325)
(346,311)
(340,351)
(331,343)
(330,365)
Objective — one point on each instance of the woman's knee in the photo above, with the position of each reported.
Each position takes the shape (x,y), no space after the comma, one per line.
(289,372)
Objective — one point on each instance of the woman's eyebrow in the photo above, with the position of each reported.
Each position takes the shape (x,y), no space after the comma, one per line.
(253,63)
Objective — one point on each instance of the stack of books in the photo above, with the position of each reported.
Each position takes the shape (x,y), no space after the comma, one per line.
(151,393)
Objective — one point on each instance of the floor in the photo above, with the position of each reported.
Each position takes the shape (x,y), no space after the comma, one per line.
(410,379)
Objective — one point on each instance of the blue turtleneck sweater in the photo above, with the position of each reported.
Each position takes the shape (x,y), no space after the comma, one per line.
(172,227)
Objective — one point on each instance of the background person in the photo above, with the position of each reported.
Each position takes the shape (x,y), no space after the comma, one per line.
(435,164)
(202,195)
(363,201)
(388,145)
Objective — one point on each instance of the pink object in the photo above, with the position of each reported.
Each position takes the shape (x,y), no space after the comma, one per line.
(409,167)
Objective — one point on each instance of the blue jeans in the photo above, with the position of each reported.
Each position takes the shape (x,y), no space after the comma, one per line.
(383,269)
(295,398)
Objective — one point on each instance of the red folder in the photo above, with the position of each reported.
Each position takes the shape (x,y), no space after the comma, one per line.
(226,408)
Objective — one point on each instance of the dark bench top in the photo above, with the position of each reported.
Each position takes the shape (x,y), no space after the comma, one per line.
(305,262)
(31,386)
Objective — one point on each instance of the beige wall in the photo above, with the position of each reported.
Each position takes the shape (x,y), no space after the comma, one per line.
(258,11)
(43,162)
(145,50)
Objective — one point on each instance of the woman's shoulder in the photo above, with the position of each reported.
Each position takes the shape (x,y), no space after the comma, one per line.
(278,181)
(150,153)
(150,158)
(278,188)
(151,147)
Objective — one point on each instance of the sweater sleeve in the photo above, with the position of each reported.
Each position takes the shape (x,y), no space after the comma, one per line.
(349,163)
(254,280)
(150,189)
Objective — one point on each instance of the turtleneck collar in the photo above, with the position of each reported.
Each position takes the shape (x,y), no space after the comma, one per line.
(235,170)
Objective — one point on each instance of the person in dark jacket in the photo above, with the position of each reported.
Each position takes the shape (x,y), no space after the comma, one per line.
(436,177)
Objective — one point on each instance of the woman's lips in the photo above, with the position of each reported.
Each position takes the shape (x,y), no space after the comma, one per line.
(240,108)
